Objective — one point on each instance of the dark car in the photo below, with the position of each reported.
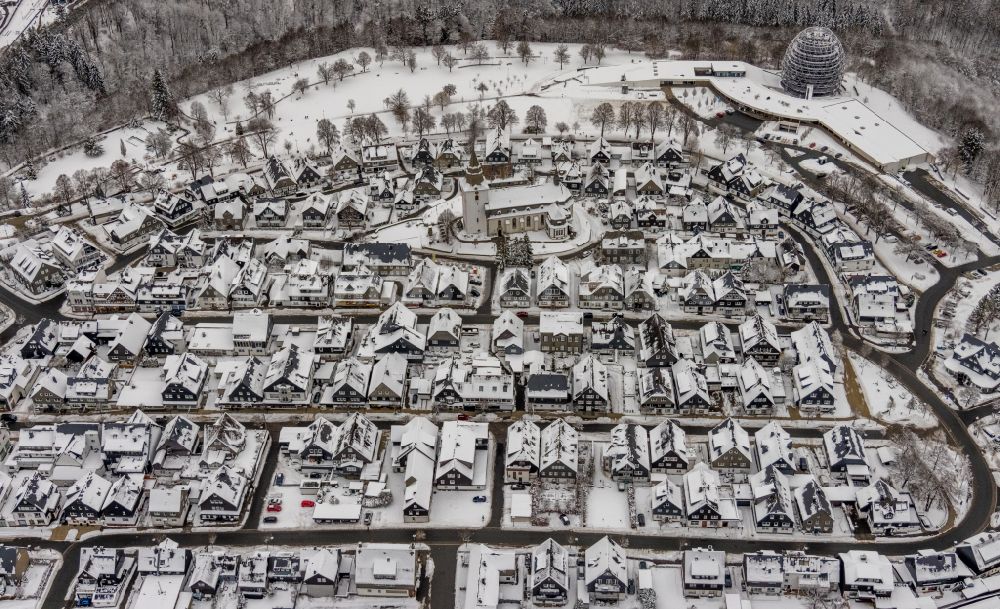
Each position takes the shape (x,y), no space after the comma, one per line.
(479,499)
(641,519)
(270,519)
(8,417)
(564,518)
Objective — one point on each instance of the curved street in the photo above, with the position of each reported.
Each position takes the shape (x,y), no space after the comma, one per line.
(444,541)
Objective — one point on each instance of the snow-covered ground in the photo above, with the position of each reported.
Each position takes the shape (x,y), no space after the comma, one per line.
(701,100)
(24,14)
(887,399)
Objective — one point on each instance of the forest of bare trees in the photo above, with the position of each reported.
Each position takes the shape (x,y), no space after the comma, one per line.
(94,69)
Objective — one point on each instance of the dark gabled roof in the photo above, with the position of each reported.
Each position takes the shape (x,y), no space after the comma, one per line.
(547,381)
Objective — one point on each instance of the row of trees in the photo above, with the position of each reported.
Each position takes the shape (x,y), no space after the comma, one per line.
(651,116)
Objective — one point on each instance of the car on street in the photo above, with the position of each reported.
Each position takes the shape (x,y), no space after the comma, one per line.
(270,519)
(522,313)
(479,499)
(641,519)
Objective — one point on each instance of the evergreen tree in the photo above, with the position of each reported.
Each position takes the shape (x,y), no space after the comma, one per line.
(527,251)
(163,106)
(972,144)
(502,251)
(25,199)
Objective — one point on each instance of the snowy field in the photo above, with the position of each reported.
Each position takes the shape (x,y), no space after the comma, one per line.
(888,401)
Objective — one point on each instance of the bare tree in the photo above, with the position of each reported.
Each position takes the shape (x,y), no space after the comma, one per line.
(438,53)
(562,55)
(221,97)
(524,51)
(501,115)
(239,151)
(363,60)
(535,120)
(479,53)
(450,61)
(602,115)
(121,173)
(724,136)
(300,86)
(261,133)
(423,121)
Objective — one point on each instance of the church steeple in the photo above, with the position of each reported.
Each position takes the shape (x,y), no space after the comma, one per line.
(474,171)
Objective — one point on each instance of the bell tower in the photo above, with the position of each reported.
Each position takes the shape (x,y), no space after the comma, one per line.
(475,196)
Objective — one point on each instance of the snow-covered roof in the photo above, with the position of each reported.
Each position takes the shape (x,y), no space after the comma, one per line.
(559,442)
(458,447)
(665,438)
(843,442)
(567,323)
(812,342)
(605,557)
(186,370)
(757,331)
(689,382)
(866,568)
(628,449)
(590,373)
(773,446)
(726,436)
(291,365)
(523,443)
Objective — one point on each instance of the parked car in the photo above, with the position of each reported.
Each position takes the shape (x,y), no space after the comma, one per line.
(270,519)
(463,417)
(368,518)
(274,507)
(8,417)
(522,313)
(479,499)
(641,519)
(308,503)
(565,519)
(517,487)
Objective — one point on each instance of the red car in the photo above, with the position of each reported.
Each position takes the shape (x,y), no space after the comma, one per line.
(274,507)
(463,417)
(720,115)
(308,503)
(522,313)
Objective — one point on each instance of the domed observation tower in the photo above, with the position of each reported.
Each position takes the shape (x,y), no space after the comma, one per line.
(813,64)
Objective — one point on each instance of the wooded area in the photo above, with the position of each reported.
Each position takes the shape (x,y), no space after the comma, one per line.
(94,69)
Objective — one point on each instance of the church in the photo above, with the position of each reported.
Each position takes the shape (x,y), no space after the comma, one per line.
(489,211)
